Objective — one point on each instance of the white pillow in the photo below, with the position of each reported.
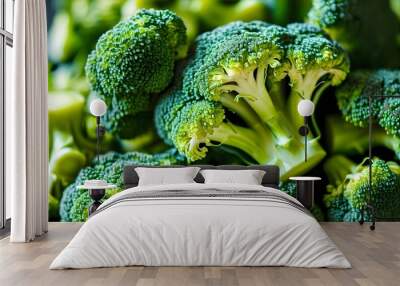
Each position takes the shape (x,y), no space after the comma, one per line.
(248,177)
(166,176)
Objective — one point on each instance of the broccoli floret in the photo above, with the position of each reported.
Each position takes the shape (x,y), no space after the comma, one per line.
(131,62)
(350,182)
(303,30)
(349,23)
(289,187)
(238,68)
(345,138)
(353,98)
(201,123)
(80,208)
(314,63)
(108,167)
(137,55)
(337,205)
(235,73)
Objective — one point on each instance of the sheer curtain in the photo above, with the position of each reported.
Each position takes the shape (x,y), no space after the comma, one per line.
(27,146)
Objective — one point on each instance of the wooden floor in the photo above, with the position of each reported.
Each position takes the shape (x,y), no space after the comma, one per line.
(375,257)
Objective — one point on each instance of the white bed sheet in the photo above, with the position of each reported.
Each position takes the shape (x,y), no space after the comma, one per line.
(200,232)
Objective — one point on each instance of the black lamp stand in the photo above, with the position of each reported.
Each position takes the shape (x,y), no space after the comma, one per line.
(100,131)
(303,131)
(97,194)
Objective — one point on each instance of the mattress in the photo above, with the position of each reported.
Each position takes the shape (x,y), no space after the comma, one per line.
(201,225)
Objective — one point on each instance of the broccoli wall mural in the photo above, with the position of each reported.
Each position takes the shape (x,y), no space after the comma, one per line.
(218,82)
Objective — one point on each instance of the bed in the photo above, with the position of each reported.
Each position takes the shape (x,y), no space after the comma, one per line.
(197,224)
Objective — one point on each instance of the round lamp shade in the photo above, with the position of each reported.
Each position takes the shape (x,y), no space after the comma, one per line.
(98,107)
(305,107)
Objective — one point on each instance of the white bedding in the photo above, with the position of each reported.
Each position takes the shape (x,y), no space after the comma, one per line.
(190,231)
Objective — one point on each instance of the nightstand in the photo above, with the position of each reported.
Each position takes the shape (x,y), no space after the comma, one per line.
(97,190)
(305,187)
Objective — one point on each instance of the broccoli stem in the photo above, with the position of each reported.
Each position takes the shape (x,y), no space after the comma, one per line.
(337,168)
(139,142)
(265,151)
(66,160)
(245,112)
(278,138)
(242,138)
(345,138)
(306,87)
(291,160)
(241,108)
(251,86)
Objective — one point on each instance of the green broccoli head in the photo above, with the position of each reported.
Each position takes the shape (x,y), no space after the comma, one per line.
(133,61)
(353,98)
(108,167)
(236,69)
(137,56)
(234,65)
(385,188)
(314,62)
(337,205)
(350,182)
(193,127)
(168,24)
(349,23)
(289,187)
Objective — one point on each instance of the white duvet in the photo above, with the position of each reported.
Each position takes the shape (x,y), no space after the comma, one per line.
(200,231)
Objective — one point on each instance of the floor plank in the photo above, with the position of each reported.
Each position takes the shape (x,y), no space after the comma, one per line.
(375,257)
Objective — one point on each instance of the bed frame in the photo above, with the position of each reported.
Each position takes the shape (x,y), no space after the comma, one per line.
(270,179)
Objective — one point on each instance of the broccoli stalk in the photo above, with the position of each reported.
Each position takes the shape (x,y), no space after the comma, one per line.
(345,138)
(349,187)
(67,137)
